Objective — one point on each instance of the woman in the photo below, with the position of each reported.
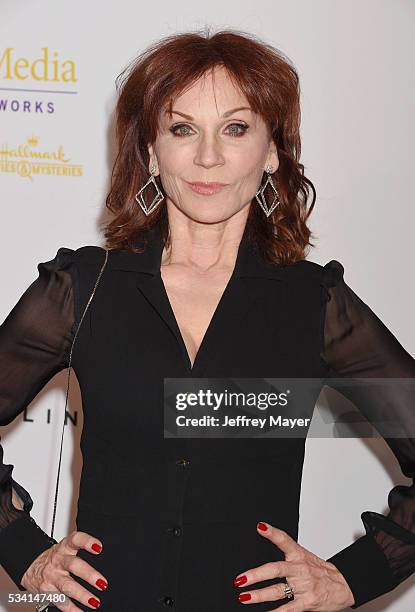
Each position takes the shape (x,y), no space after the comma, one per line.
(201,280)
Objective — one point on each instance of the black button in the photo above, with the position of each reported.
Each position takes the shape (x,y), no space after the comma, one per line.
(168,601)
(176,531)
(183,462)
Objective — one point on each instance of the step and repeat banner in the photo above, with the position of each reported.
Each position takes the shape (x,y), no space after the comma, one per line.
(58,66)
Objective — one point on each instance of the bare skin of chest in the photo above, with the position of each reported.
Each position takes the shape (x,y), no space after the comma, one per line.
(194,297)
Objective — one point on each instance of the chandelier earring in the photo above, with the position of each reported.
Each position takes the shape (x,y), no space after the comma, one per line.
(157,198)
(268,210)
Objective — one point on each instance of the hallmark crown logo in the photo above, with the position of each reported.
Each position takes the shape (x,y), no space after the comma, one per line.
(26,160)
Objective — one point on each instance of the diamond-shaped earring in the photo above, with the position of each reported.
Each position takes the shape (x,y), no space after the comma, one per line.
(157,199)
(268,210)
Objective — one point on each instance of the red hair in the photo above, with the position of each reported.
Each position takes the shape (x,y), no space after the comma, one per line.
(269,82)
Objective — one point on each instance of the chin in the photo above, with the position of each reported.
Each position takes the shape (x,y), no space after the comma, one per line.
(208,216)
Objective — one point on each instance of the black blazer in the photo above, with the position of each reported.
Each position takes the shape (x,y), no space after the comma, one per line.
(177,517)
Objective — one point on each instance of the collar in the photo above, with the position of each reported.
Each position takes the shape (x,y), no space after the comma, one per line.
(248,263)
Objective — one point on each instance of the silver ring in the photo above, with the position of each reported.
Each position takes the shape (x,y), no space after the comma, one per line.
(288,591)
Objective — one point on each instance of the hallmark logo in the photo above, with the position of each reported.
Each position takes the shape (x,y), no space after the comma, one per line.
(27,160)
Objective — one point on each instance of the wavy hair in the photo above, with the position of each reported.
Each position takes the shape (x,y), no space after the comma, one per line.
(269,82)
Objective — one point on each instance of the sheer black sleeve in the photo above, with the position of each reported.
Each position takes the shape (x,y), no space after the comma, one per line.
(357,345)
(35,340)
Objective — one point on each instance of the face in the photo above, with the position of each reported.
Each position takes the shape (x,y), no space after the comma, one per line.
(206,140)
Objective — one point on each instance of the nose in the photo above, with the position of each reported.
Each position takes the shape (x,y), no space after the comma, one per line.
(209,152)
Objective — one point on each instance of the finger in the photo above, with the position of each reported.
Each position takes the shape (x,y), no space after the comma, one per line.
(73,589)
(79,539)
(84,570)
(273,569)
(274,592)
(67,607)
(278,537)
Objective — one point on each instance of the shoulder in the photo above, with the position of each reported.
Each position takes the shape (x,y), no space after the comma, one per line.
(66,257)
(329,274)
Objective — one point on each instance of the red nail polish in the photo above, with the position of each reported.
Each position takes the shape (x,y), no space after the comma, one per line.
(244,597)
(96,547)
(262,526)
(240,580)
(94,602)
(101,583)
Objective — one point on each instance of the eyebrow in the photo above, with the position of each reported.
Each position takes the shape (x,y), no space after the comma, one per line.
(229,112)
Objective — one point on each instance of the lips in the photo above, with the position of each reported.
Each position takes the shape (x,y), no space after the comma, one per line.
(206,188)
(208,185)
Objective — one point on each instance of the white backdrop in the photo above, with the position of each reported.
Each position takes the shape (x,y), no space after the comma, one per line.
(355,61)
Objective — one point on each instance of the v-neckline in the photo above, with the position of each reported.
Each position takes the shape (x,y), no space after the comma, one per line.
(191,366)
(235,301)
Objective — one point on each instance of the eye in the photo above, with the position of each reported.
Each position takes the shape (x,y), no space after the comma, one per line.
(238,125)
(180,127)
(176,129)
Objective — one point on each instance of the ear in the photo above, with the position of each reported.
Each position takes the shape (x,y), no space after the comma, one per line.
(273,159)
(152,158)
